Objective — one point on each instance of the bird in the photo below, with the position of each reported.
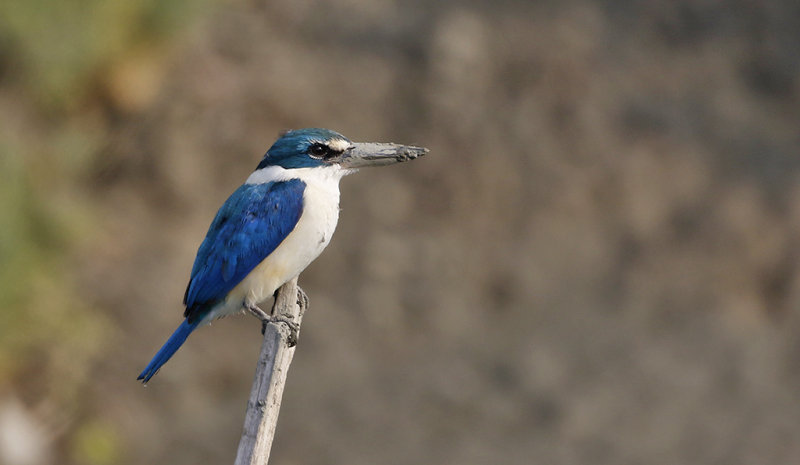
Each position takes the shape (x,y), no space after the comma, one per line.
(272,227)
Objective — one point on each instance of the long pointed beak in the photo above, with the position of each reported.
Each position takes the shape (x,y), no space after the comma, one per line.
(362,154)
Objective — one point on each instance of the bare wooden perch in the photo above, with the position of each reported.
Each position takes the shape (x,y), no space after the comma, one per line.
(264,405)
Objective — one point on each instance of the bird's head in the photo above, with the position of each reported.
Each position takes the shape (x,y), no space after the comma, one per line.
(315,147)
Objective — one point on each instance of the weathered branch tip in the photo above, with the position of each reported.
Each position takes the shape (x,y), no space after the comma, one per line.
(277,350)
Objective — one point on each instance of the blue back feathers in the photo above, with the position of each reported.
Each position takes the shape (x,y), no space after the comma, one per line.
(291,149)
(254,220)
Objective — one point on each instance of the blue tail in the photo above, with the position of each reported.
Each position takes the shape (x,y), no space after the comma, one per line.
(169,348)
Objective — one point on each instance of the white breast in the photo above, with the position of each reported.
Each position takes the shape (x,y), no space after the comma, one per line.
(310,236)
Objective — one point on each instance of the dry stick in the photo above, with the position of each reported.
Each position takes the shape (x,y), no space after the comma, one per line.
(261,418)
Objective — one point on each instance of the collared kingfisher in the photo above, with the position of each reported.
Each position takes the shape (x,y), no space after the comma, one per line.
(272,227)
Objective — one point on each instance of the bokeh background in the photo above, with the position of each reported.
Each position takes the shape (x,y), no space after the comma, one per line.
(596,264)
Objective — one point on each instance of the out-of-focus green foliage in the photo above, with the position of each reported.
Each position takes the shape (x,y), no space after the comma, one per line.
(44,322)
(96,444)
(64,47)
(61,64)
(59,51)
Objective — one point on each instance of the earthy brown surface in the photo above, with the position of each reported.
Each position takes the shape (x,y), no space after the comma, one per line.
(595,264)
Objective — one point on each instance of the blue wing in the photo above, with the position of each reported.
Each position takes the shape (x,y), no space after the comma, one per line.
(250,225)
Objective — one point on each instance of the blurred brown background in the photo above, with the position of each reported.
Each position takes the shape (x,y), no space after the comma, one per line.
(596,264)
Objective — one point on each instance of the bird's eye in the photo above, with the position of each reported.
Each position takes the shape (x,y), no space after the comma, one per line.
(318,150)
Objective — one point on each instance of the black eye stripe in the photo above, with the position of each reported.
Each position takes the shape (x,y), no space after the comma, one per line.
(320,150)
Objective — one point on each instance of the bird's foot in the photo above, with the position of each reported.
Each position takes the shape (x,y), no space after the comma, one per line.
(302,299)
(294,328)
(260,314)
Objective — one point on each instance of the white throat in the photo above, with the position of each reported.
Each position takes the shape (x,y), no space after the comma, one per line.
(322,176)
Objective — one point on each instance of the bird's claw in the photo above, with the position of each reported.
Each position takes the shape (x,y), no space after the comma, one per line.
(294,328)
(302,299)
(258,313)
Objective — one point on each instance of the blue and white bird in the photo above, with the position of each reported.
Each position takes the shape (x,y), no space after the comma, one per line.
(272,227)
